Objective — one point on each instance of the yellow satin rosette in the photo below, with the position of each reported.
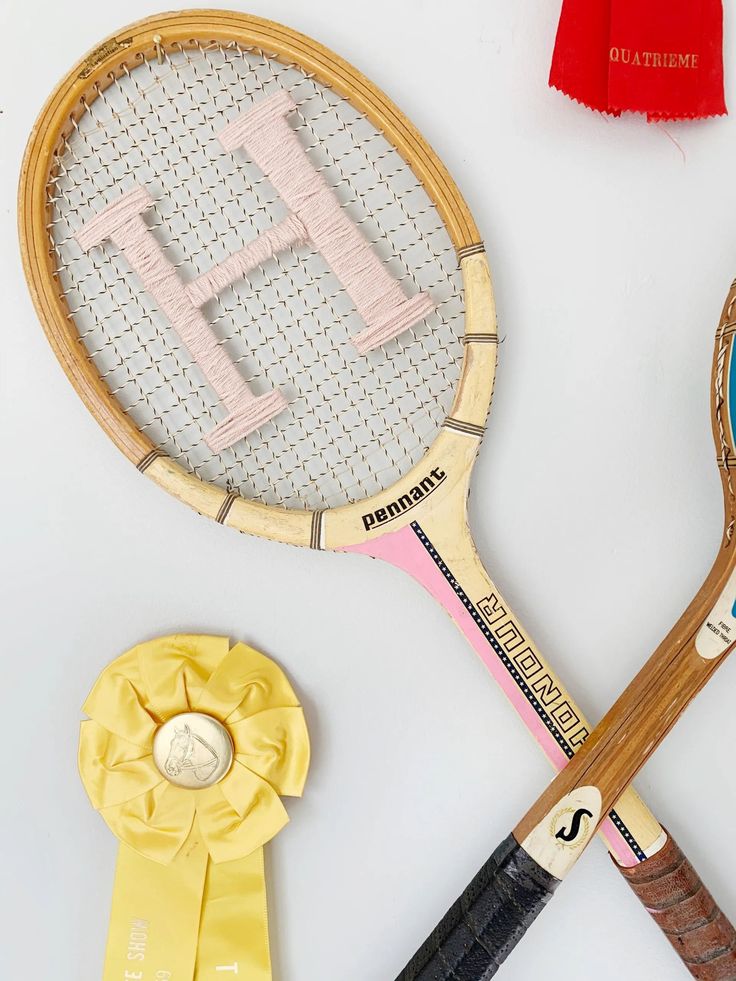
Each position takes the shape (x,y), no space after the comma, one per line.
(189,744)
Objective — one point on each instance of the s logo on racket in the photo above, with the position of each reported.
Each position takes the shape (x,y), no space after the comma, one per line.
(560,836)
(568,835)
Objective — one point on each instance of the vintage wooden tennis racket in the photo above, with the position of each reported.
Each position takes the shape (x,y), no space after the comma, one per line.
(484,925)
(268,290)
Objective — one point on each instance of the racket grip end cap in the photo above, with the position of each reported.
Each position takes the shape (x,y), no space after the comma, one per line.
(681,906)
(483,926)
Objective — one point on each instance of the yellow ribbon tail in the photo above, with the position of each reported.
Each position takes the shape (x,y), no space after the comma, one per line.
(156,910)
(191,920)
(233,939)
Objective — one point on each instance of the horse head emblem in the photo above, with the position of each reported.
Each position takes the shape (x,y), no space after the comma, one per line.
(191,752)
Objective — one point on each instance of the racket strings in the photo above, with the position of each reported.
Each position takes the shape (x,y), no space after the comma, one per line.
(108,277)
(121,278)
(191,193)
(324,140)
(321,433)
(368,167)
(354,424)
(191,202)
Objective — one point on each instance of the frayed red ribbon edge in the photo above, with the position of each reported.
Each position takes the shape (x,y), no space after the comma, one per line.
(652,117)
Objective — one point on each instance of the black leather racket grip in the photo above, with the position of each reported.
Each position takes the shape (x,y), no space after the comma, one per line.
(480,930)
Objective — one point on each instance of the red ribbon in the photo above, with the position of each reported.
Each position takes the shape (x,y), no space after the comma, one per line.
(661,58)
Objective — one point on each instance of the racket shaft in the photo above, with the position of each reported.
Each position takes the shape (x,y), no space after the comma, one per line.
(438,551)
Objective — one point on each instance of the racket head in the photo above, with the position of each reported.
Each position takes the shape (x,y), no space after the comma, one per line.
(182,38)
(723,410)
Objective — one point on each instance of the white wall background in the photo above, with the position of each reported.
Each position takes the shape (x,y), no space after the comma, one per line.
(596,505)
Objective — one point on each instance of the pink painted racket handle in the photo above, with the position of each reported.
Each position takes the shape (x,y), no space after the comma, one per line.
(684,910)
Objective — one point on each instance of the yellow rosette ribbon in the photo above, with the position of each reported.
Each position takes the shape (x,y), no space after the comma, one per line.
(189,744)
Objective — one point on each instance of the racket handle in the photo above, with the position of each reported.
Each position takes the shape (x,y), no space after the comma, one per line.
(681,906)
(483,926)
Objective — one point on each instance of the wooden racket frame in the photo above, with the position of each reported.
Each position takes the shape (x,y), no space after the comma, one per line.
(452,451)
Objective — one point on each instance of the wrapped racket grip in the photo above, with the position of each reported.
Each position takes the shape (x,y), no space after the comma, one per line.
(671,890)
(483,926)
